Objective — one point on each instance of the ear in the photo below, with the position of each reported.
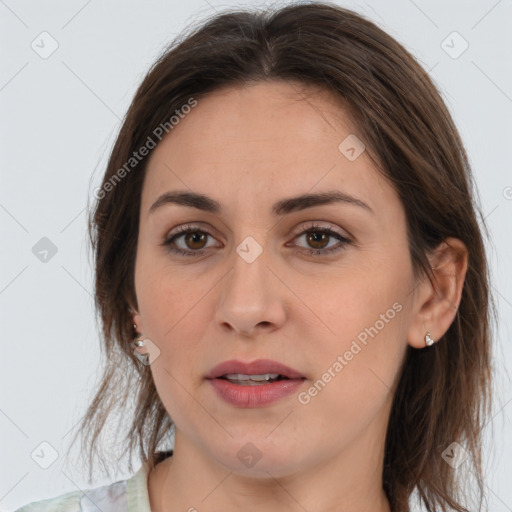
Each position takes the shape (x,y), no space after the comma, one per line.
(437,300)
(136,319)
(139,328)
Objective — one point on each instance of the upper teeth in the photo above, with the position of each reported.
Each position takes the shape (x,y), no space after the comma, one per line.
(241,376)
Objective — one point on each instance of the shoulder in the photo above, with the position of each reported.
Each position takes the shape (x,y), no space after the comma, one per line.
(69,502)
(108,498)
(123,496)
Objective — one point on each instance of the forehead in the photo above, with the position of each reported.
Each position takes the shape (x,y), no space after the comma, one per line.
(266,141)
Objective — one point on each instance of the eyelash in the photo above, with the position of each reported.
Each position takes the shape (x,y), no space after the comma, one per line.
(183,230)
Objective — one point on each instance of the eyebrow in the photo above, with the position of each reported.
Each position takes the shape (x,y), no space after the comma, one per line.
(282,207)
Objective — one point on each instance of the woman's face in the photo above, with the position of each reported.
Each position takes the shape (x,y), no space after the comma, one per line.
(256,284)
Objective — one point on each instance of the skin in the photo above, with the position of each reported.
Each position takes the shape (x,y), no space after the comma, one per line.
(248,147)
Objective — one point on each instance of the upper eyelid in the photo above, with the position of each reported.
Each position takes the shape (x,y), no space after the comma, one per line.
(312,225)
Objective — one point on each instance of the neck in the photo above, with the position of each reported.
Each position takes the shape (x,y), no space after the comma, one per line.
(191,480)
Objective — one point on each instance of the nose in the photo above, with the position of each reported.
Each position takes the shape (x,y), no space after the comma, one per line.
(252,298)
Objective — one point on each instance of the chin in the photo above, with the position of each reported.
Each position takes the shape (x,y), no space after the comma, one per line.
(259,458)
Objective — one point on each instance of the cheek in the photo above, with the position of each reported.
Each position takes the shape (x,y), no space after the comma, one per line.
(359,358)
(170,302)
(353,385)
(175,316)
(353,302)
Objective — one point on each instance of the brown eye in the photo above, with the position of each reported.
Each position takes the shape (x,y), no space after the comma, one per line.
(193,241)
(317,239)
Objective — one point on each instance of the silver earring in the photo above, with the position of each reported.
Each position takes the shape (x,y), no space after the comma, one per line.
(429,340)
(139,342)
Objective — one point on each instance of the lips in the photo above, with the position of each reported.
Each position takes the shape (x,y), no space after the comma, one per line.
(258,367)
(233,382)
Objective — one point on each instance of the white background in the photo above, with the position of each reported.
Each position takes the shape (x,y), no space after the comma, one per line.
(58,120)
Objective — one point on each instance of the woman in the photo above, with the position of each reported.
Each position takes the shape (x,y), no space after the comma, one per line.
(286,227)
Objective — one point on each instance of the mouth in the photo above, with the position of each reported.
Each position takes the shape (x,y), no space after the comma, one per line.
(254,384)
(253,380)
(255,373)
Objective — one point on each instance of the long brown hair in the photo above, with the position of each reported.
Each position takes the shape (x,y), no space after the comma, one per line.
(444,391)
